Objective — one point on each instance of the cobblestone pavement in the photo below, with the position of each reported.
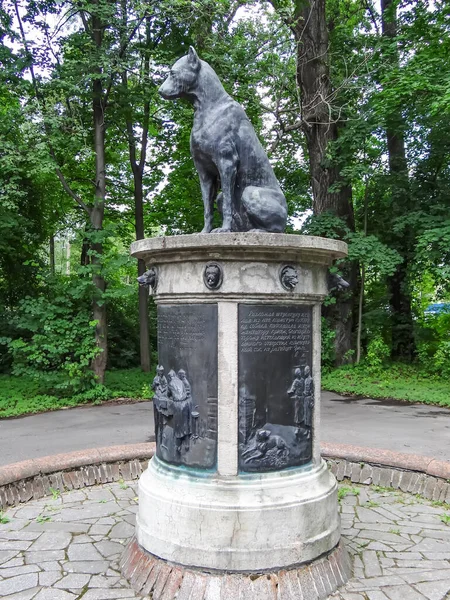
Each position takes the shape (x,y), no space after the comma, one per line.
(68,547)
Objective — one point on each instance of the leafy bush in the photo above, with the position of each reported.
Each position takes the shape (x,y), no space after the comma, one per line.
(441,360)
(377,353)
(327,353)
(57,343)
(394,380)
(24,395)
(433,335)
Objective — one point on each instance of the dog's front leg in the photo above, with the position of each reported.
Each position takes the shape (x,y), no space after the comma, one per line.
(208,184)
(227,169)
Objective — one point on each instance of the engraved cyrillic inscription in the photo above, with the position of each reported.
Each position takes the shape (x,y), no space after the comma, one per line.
(275,331)
(276,395)
(185,328)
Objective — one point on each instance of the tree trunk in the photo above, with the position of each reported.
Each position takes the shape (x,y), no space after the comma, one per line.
(137,168)
(362,279)
(360,314)
(67,255)
(330,192)
(143,291)
(96,216)
(84,257)
(403,343)
(52,254)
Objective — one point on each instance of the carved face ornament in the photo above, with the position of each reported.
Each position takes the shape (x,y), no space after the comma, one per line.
(212,276)
(289,277)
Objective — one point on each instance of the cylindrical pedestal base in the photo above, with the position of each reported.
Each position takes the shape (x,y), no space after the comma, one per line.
(253,523)
(167,581)
(237,488)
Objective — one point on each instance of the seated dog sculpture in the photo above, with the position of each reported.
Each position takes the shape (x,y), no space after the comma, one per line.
(226,153)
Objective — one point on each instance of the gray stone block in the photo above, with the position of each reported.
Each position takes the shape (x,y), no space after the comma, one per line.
(385,477)
(356,472)
(395,478)
(376,475)
(340,470)
(366,474)
(19,583)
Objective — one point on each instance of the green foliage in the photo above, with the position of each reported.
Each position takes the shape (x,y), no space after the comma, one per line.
(327,351)
(47,323)
(433,248)
(4,519)
(55,493)
(399,381)
(43,518)
(344,491)
(433,335)
(57,344)
(378,258)
(24,395)
(378,353)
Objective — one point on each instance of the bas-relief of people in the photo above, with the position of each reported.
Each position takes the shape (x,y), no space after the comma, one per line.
(173,407)
(302,393)
(277,446)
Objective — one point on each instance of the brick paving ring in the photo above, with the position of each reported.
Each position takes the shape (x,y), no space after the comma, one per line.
(67,524)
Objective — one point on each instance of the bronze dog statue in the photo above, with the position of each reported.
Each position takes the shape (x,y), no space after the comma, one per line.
(226,153)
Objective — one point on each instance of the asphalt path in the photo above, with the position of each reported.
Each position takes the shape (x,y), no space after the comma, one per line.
(391,425)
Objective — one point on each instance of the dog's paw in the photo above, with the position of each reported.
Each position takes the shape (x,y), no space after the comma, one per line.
(221,230)
(206,230)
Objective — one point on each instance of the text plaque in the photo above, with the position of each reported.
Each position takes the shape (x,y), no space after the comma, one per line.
(186,400)
(276,391)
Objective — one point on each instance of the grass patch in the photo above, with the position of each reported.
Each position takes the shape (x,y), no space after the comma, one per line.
(22,395)
(3,518)
(395,531)
(43,519)
(400,382)
(344,491)
(371,504)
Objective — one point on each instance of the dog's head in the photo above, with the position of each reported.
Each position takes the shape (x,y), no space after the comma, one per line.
(212,275)
(182,77)
(262,435)
(149,278)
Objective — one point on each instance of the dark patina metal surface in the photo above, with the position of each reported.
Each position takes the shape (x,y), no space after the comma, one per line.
(226,152)
(186,385)
(213,276)
(276,392)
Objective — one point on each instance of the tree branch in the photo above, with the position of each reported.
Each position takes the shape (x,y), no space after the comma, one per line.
(41,101)
(71,193)
(122,51)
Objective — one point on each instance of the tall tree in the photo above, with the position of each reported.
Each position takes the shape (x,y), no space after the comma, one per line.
(137,150)
(403,343)
(84,70)
(320,121)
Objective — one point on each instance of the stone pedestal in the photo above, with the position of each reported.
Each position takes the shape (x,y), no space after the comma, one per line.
(237,484)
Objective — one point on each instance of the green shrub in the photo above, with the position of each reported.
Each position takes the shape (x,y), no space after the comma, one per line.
(393,380)
(377,353)
(24,395)
(434,344)
(327,353)
(57,339)
(441,360)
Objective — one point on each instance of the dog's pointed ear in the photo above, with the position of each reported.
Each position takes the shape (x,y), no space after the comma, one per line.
(193,57)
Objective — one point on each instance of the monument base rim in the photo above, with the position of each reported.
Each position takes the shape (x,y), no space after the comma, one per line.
(165,580)
(281,519)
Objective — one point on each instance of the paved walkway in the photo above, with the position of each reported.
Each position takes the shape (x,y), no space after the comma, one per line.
(402,427)
(68,547)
